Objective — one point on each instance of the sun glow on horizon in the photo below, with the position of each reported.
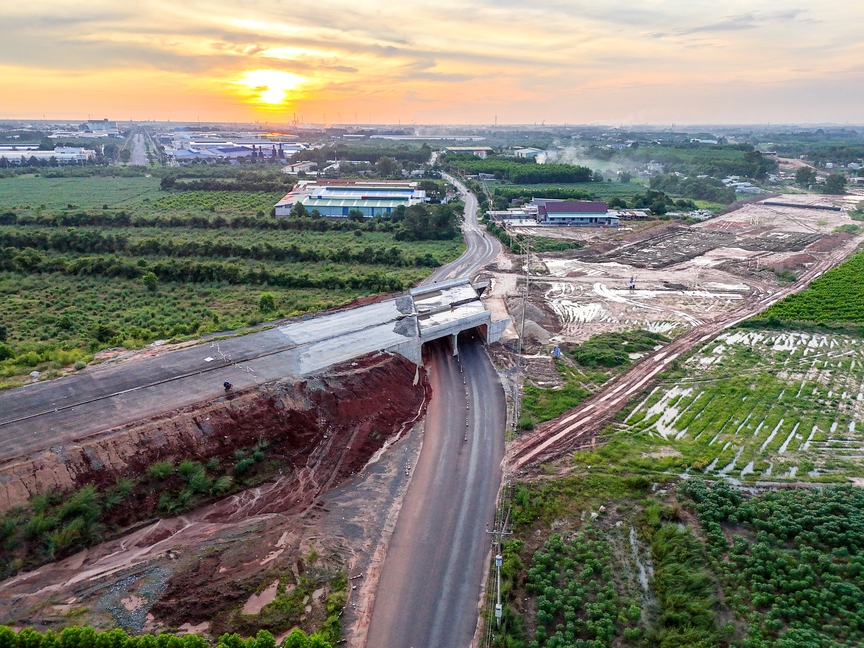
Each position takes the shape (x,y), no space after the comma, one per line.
(272,86)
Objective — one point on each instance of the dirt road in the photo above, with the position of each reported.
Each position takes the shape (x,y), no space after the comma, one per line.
(578,427)
(430,583)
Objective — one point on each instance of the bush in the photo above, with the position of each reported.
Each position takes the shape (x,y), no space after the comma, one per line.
(160,470)
(266,303)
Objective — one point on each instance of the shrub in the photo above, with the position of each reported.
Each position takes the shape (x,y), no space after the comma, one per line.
(160,470)
(266,303)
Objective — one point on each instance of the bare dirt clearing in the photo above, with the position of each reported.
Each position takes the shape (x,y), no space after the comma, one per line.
(689,283)
(683,276)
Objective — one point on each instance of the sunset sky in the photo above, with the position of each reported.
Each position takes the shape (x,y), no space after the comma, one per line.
(574,61)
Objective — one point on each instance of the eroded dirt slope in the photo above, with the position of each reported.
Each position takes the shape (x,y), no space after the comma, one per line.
(200,567)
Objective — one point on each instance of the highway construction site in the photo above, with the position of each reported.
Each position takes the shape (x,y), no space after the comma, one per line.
(340,443)
(688,283)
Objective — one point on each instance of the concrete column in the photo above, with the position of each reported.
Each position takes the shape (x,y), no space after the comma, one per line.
(454,337)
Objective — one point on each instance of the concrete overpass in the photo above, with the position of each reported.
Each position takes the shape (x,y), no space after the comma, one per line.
(445,309)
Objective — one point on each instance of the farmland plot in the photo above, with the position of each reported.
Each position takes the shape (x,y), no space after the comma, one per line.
(760,405)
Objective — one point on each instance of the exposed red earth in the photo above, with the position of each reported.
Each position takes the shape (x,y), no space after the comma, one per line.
(196,567)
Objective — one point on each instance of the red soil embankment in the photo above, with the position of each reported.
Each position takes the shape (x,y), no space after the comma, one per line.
(331,423)
(321,430)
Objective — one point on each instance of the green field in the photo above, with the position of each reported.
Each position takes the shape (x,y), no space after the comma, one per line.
(32,192)
(600,190)
(583,369)
(95,262)
(751,406)
(837,297)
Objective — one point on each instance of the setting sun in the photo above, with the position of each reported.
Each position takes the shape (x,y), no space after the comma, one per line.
(272,86)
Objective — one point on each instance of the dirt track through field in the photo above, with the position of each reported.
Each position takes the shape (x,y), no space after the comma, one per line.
(578,428)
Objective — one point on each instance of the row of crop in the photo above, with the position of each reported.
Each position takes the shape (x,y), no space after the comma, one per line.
(124,219)
(184,270)
(88,637)
(91,241)
(793,569)
(837,296)
(268,185)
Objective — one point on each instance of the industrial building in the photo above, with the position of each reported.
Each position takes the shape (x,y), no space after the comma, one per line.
(576,213)
(62,154)
(338,198)
(554,211)
(527,152)
(477,151)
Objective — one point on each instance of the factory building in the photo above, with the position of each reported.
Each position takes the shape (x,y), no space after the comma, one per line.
(338,198)
(62,154)
(573,213)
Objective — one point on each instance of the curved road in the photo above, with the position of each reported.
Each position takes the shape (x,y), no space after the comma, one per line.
(481,248)
(429,590)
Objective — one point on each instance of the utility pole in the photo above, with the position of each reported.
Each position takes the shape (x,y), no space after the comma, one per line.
(498,537)
(526,248)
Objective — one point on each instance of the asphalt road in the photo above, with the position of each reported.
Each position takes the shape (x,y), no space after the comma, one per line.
(139,150)
(481,248)
(429,588)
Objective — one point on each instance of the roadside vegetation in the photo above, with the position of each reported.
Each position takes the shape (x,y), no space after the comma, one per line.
(88,263)
(58,524)
(85,637)
(583,369)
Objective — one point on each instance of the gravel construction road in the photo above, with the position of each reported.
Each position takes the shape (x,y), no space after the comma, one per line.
(430,583)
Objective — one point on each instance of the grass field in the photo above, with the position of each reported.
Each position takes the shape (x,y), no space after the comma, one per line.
(31,192)
(171,265)
(751,406)
(583,369)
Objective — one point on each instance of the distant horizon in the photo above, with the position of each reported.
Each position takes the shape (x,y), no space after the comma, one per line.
(449,62)
(658,126)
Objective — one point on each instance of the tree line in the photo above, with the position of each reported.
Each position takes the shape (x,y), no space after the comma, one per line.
(88,637)
(526,172)
(93,241)
(270,185)
(188,271)
(124,219)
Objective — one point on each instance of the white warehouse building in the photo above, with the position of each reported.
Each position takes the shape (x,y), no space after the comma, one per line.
(63,154)
(338,198)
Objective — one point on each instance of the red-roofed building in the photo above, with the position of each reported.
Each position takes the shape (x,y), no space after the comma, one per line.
(573,213)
